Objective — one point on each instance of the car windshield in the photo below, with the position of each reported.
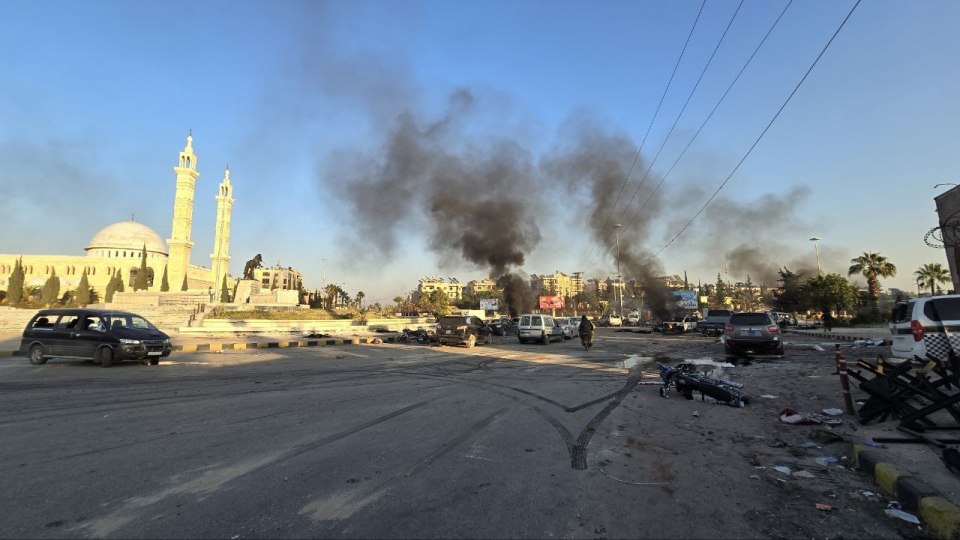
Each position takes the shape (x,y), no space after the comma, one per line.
(749,319)
(453,321)
(136,322)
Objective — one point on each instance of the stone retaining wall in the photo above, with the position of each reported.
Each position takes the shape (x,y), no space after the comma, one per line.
(328,326)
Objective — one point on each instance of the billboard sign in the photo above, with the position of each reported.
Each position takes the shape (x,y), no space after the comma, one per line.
(686,299)
(551,302)
(489,304)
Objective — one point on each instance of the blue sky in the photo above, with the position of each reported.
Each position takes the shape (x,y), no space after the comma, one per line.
(98,98)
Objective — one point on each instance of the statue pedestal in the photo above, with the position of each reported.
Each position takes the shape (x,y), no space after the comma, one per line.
(245,289)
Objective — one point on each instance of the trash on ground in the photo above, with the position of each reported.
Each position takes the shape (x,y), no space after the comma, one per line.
(791,416)
(818,348)
(809,444)
(754,476)
(696,413)
(893,510)
(782,469)
(826,460)
(377,341)
(825,507)
(768,396)
(873,444)
(868,343)
(833,411)
(825,436)
(804,474)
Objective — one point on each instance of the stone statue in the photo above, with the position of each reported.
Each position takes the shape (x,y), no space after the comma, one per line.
(252,265)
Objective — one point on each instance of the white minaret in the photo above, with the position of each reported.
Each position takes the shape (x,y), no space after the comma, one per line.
(179,241)
(220,259)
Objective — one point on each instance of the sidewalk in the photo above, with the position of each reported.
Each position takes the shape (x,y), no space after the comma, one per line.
(10,341)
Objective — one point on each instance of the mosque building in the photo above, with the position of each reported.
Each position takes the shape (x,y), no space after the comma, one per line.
(117,248)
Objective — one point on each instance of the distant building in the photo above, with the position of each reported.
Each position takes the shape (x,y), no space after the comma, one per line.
(278,277)
(452,287)
(558,284)
(481,286)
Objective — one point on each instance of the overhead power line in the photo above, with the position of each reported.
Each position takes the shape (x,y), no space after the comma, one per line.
(666,89)
(762,133)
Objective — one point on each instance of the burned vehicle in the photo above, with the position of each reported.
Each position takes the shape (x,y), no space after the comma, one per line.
(103,336)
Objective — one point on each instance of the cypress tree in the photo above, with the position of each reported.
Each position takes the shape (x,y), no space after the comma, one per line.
(164,283)
(119,286)
(15,284)
(51,289)
(140,284)
(184,286)
(111,288)
(83,290)
(224,291)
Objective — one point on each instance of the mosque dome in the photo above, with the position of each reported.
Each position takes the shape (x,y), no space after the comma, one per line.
(126,236)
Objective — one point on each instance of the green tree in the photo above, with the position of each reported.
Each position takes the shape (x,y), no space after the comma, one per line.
(183,286)
(789,296)
(224,291)
(51,289)
(83,290)
(15,284)
(440,302)
(140,283)
(872,266)
(360,297)
(164,282)
(829,292)
(119,287)
(720,293)
(930,274)
(111,288)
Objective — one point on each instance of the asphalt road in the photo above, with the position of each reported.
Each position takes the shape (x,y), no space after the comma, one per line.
(399,441)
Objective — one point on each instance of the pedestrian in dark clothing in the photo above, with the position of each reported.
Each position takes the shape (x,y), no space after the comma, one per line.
(828,321)
(586,332)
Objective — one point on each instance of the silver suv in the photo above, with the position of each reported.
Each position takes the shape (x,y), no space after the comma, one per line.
(926,327)
(752,332)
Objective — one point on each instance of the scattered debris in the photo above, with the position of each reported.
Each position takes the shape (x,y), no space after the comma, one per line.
(825,507)
(825,436)
(783,469)
(791,416)
(893,510)
(804,474)
(768,396)
(316,335)
(810,444)
(754,476)
(777,443)
(687,381)
(826,460)
(873,444)
(833,411)
(868,343)
(696,413)
(377,341)
(818,348)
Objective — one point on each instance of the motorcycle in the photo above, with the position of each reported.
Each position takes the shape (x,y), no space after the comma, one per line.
(586,339)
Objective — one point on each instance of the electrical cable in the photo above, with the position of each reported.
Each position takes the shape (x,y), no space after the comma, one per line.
(653,119)
(757,141)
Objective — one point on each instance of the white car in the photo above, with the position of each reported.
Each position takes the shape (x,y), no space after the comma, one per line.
(611,319)
(926,327)
(571,327)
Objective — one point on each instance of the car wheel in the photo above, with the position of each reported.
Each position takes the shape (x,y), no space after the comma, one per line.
(106,357)
(36,355)
(154,361)
(779,350)
(471,341)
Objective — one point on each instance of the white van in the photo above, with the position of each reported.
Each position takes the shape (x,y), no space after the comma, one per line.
(542,328)
(927,327)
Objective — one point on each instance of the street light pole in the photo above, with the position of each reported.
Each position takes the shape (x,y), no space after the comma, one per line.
(617,227)
(816,248)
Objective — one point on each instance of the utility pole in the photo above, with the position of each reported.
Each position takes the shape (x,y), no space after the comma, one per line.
(619,288)
(816,248)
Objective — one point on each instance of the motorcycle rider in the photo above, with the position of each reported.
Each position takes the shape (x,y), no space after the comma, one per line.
(586,332)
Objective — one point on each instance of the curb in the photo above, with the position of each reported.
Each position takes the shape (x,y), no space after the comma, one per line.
(836,337)
(915,496)
(241,345)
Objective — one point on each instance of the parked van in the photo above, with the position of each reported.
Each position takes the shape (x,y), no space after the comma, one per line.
(927,327)
(542,328)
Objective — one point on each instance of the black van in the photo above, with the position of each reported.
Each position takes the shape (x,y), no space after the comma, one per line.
(104,336)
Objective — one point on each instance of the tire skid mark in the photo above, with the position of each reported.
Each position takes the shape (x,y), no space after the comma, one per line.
(578,458)
(339,506)
(213,478)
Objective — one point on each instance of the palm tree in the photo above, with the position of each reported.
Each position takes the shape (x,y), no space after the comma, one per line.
(873,266)
(930,274)
(360,295)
